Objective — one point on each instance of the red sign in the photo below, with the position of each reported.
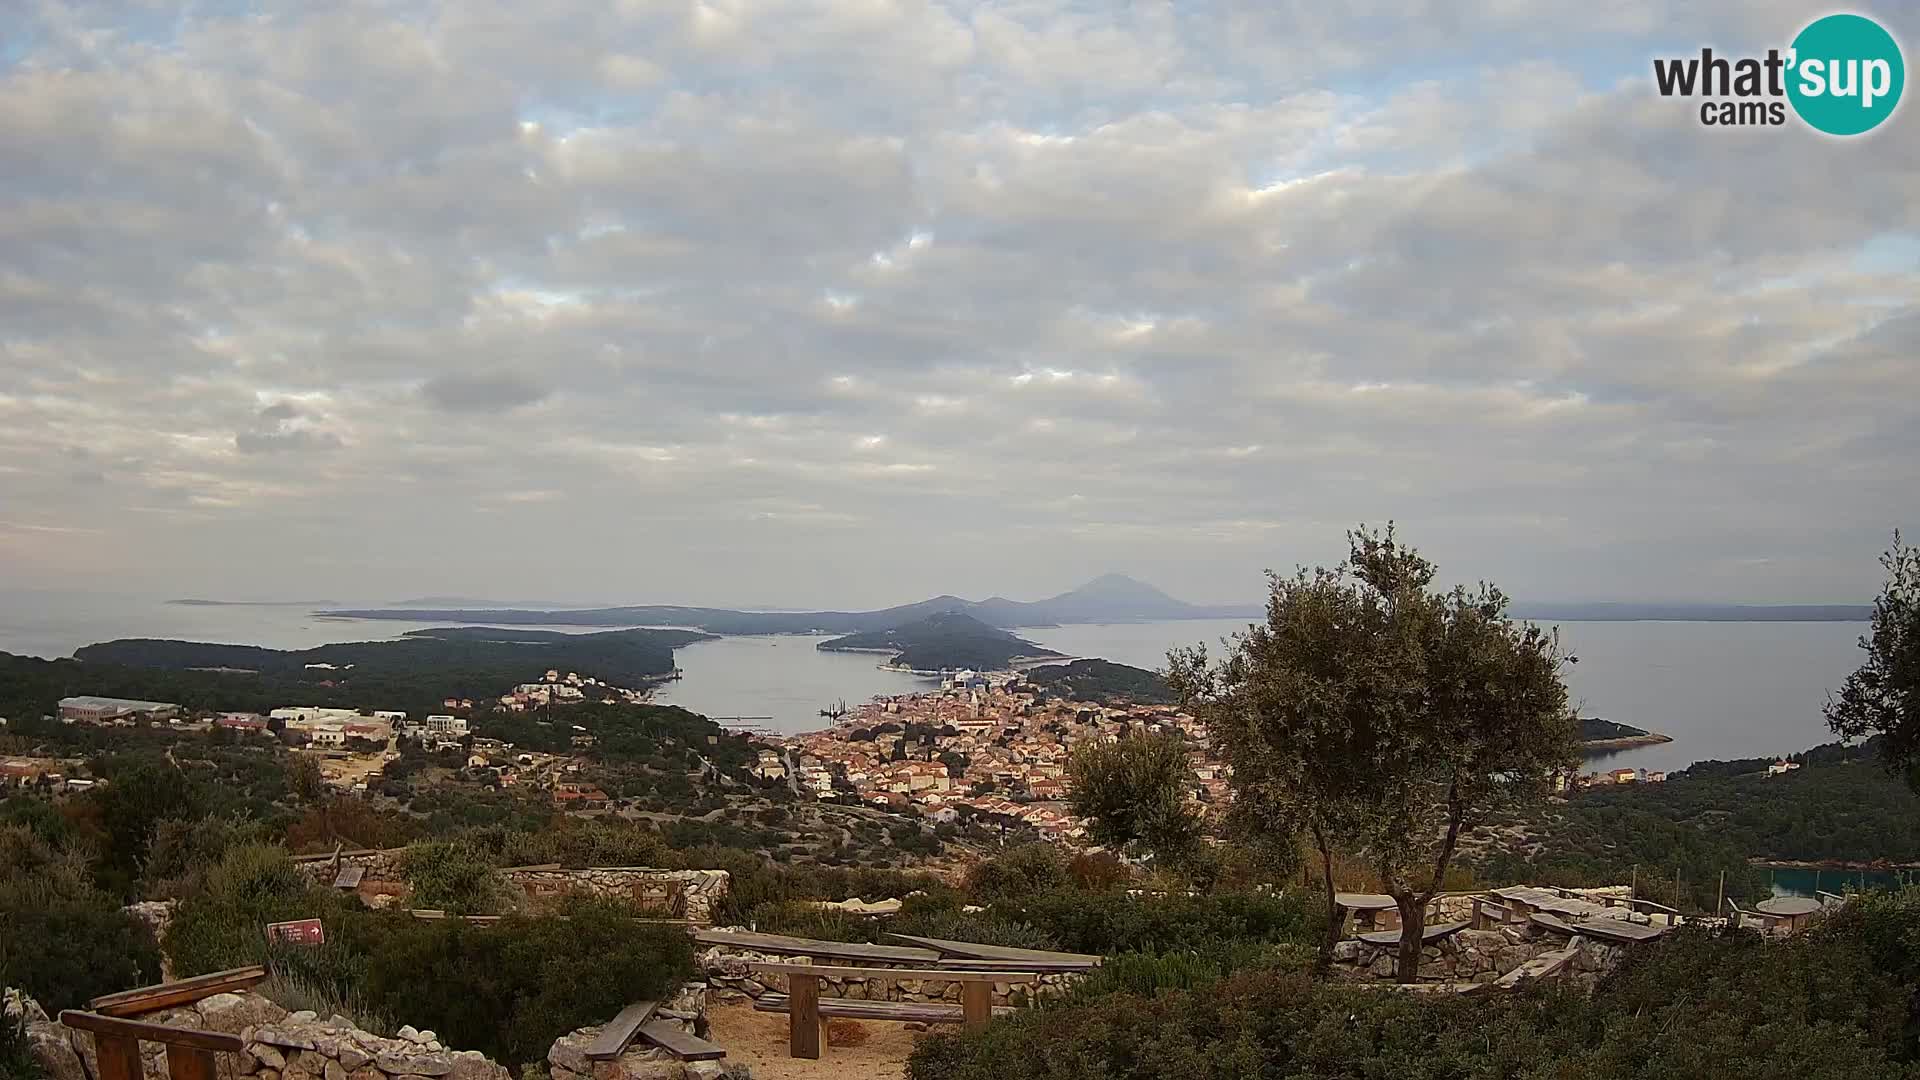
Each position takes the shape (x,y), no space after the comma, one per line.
(297,932)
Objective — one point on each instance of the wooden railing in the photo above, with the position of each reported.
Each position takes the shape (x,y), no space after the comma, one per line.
(116,1043)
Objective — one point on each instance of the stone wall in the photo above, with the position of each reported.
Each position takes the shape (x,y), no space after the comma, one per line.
(688,894)
(279,1046)
(1478,956)
(687,1010)
(731,979)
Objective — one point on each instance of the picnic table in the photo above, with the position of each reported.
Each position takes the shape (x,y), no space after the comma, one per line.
(1789,911)
(1374,911)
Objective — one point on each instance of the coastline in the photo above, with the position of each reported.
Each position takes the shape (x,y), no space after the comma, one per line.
(1831,864)
(1624,743)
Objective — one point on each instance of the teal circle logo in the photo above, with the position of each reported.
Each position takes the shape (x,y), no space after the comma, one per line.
(1846,74)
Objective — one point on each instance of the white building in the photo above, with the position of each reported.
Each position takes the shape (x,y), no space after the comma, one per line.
(447,725)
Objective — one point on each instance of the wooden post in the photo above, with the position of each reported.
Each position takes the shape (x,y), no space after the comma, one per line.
(803,1024)
(119,1056)
(976,1004)
(189,1063)
(1720,905)
(1636,881)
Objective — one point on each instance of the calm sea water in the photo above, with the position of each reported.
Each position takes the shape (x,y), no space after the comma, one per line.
(1721,690)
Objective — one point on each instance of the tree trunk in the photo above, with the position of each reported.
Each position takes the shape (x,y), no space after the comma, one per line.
(1413,926)
(1333,909)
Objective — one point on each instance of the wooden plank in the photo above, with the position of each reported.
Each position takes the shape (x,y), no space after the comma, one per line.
(189,1063)
(830,971)
(1044,967)
(1618,930)
(855,951)
(1430,934)
(926,1012)
(117,1057)
(803,1012)
(686,1047)
(113,1026)
(349,877)
(976,1004)
(613,1039)
(180,992)
(972,951)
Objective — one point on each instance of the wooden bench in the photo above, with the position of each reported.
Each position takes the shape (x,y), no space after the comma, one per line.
(1428,935)
(808,1012)
(116,1044)
(636,1021)
(167,995)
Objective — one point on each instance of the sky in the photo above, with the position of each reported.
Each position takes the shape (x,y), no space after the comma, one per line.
(848,304)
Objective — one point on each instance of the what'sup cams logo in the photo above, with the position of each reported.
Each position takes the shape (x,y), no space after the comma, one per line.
(1842,75)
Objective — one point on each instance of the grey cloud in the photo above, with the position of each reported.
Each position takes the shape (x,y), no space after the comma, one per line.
(1002,289)
(481,393)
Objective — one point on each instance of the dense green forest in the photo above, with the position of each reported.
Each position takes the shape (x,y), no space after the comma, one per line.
(413,673)
(1102,681)
(947,641)
(1594,729)
(1715,817)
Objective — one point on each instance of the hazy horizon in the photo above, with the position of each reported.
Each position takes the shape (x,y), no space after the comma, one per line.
(847,305)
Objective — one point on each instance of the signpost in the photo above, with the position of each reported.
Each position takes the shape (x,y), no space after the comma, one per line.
(296,932)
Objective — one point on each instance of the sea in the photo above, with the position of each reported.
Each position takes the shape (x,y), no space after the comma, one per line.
(1718,689)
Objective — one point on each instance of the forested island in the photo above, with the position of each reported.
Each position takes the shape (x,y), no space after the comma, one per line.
(1597,734)
(412,673)
(947,641)
(1103,681)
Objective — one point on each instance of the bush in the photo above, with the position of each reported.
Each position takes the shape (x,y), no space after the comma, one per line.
(1835,1002)
(1116,922)
(976,927)
(454,876)
(510,989)
(183,851)
(16,1058)
(65,941)
(224,925)
(1019,874)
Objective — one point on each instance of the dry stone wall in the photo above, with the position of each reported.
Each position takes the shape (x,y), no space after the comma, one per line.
(688,894)
(1478,956)
(731,978)
(279,1046)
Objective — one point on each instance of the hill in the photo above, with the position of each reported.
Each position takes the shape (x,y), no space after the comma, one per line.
(1109,598)
(1102,681)
(948,641)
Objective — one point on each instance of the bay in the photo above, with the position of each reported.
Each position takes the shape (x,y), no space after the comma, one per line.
(1719,689)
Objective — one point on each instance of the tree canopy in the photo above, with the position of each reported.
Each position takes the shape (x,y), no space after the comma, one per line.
(1135,792)
(1384,716)
(1883,696)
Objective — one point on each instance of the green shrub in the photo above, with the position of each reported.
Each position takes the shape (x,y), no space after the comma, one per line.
(510,989)
(1116,922)
(64,941)
(183,851)
(454,876)
(1019,874)
(16,1059)
(977,927)
(224,925)
(805,918)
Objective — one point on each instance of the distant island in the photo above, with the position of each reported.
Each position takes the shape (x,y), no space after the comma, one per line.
(1103,681)
(196,602)
(948,641)
(1597,734)
(473,659)
(1110,598)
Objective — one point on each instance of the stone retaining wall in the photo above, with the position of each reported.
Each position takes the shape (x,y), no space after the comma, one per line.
(731,979)
(688,894)
(1479,956)
(279,1046)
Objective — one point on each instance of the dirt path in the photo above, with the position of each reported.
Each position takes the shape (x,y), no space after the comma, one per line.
(759,1040)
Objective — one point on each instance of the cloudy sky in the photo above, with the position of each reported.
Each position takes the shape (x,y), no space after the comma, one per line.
(804,303)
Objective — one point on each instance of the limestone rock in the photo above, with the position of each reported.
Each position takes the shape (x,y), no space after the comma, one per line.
(398,1064)
(333,1070)
(474,1065)
(569,1051)
(352,1057)
(50,1046)
(407,1032)
(425,1036)
(268,1056)
(304,1016)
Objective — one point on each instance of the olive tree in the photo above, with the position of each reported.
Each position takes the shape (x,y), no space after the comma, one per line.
(1384,717)
(1134,792)
(1883,697)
